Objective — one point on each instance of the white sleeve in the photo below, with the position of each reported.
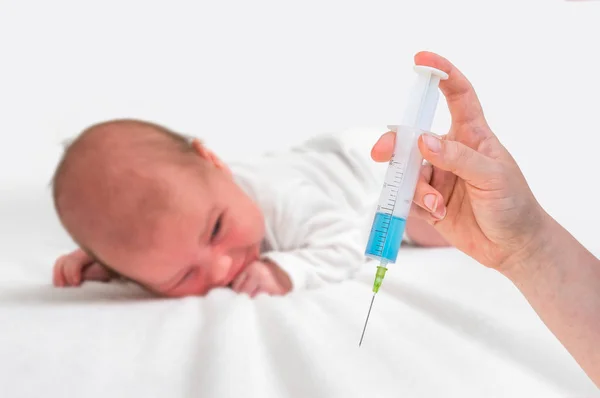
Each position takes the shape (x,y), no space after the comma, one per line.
(317,239)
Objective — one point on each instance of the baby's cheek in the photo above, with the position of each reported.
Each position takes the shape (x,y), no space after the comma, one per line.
(235,239)
(197,284)
(191,288)
(219,271)
(247,235)
(250,224)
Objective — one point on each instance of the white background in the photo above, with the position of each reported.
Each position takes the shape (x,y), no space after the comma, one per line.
(262,74)
(255,75)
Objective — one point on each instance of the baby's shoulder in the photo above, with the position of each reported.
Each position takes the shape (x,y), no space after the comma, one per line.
(325,161)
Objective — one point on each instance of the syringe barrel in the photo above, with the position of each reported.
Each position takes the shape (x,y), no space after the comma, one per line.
(396,196)
(403,171)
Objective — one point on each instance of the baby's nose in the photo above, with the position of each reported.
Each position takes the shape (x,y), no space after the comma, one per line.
(220,269)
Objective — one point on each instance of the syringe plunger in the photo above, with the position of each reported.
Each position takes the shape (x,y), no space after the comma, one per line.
(423,98)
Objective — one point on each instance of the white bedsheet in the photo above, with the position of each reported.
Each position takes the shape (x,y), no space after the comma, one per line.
(441,326)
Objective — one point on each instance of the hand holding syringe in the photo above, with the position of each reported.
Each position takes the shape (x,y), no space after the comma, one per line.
(492,216)
(401,177)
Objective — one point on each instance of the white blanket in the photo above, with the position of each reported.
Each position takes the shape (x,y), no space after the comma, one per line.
(441,326)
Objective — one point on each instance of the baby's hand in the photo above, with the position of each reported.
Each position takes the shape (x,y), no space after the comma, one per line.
(262,276)
(76,267)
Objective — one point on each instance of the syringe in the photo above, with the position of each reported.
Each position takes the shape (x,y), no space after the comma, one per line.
(402,175)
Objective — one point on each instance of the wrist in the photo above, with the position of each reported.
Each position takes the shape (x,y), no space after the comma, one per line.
(543,251)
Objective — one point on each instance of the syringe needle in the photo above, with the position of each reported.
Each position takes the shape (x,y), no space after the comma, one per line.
(366,321)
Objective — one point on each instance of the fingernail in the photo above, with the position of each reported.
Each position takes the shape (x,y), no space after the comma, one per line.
(430,201)
(432,143)
(440,213)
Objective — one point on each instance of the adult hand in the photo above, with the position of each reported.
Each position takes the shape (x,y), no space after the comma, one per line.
(475,194)
(481,204)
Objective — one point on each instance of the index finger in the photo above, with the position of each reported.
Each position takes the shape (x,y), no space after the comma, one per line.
(462,100)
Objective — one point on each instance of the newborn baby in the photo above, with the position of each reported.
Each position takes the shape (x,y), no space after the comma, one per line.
(149,205)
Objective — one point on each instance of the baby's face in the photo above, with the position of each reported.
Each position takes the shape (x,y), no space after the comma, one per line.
(212,232)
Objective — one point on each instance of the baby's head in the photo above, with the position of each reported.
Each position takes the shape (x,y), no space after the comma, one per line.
(156,208)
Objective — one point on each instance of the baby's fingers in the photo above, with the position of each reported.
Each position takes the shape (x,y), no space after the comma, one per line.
(96,272)
(248,286)
(58,279)
(239,280)
(72,272)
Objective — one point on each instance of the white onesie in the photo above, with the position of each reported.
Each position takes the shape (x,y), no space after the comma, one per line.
(318,199)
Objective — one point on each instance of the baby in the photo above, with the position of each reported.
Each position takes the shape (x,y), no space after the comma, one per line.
(151,206)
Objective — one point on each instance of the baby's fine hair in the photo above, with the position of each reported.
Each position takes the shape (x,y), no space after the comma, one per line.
(179,141)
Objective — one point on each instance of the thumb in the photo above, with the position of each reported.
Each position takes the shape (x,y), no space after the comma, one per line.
(459,159)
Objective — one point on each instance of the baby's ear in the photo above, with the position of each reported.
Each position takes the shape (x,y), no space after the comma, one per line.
(200,149)
(209,155)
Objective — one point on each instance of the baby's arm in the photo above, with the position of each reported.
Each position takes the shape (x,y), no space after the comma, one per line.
(316,238)
(74,268)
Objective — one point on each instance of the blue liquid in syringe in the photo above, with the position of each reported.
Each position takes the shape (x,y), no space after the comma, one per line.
(386,237)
